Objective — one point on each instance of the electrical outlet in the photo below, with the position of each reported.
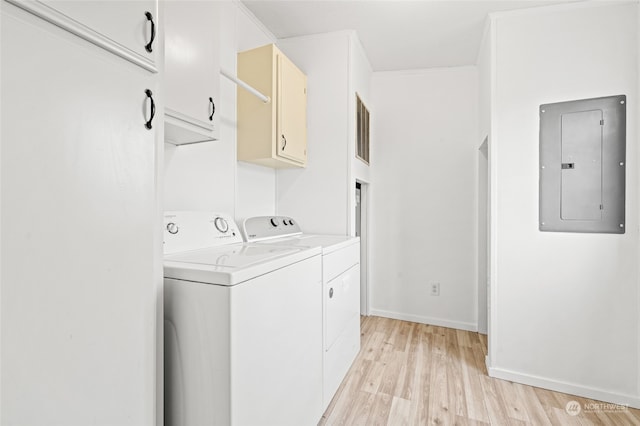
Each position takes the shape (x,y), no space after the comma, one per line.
(435,289)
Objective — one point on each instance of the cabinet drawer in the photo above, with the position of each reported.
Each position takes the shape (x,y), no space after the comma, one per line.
(339,261)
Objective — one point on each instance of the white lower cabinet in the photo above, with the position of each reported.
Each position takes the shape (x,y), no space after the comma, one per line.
(78,253)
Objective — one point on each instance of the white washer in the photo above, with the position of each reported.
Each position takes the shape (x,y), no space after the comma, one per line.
(340,289)
(243,327)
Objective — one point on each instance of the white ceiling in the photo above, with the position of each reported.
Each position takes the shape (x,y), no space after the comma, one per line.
(396,35)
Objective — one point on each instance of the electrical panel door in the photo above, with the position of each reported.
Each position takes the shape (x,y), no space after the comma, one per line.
(582,165)
(581,169)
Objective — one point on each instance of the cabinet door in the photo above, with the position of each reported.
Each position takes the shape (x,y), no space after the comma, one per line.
(126,28)
(292,111)
(77,251)
(192,71)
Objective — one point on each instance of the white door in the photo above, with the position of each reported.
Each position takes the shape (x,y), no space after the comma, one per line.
(77,207)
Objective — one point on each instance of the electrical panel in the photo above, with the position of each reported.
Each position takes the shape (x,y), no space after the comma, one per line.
(582,165)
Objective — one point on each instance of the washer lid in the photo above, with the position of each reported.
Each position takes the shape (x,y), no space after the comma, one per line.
(234,263)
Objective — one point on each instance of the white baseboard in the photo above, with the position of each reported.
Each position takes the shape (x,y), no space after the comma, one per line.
(564,387)
(425,320)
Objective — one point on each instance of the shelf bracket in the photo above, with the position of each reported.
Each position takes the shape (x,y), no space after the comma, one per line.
(247,87)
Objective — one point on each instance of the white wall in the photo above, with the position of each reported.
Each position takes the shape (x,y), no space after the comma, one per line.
(255,185)
(322,196)
(207,176)
(360,83)
(564,306)
(424,179)
(317,195)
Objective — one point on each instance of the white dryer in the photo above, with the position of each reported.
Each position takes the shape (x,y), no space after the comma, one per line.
(243,327)
(340,289)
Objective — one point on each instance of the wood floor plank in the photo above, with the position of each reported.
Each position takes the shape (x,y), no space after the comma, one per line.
(535,410)
(393,372)
(400,413)
(463,338)
(380,411)
(457,399)
(420,394)
(390,336)
(473,389)
(463,421)
(410,370)
(361,408)
(338,410)
(439,404)
(514,406)
(418,374)
(372,381)
(493,401)
(374,346)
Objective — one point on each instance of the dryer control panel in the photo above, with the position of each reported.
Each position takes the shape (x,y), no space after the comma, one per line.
(265,227)
(193,230)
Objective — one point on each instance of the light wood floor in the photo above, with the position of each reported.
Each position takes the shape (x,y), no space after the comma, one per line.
(416,374)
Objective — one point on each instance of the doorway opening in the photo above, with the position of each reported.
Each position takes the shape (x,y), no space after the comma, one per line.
(362,231)
(483,234)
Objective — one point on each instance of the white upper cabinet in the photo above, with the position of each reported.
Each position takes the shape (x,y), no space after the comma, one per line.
(192,71)
(125,28)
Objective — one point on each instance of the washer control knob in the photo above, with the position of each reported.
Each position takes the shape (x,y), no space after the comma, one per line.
(221,224)
(290,221)
(284,222)
(274,222)
(172,228)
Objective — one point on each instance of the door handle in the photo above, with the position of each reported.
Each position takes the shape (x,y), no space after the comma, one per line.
(149,46)
(213,109)
(153,109)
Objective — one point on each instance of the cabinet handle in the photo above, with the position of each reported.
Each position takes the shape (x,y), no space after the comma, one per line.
(284,142)
(331,293)
(153,32)
(213,109)
(153,108)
